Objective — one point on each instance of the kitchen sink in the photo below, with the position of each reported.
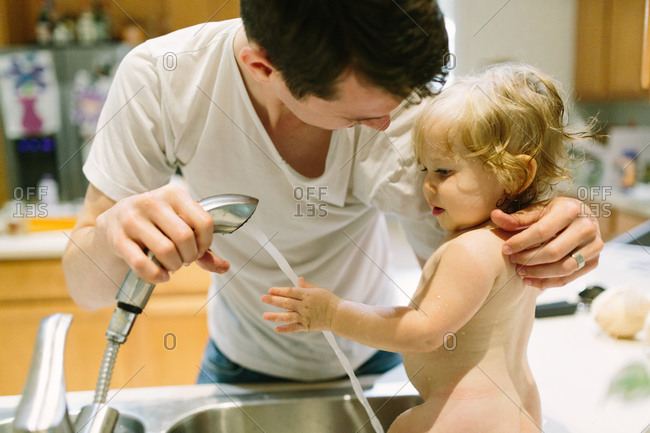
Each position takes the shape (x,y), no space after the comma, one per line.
(125,424)
(261,408)
(340,414)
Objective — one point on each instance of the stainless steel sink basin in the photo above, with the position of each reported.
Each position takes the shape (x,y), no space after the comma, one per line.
(125,424)
(261,408)
(318,414)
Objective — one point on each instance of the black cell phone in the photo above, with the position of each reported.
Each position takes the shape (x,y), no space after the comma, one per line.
(554,309)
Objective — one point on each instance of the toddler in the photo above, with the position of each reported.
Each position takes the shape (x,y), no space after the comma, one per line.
(495,140)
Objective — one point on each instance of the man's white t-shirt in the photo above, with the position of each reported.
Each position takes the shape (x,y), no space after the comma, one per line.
(179,101)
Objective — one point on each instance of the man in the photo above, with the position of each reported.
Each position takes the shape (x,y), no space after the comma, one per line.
(302,107)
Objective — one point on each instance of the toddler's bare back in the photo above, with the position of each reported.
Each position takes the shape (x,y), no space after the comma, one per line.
(479,379)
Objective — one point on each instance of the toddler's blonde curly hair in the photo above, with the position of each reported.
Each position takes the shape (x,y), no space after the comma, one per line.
(507,110)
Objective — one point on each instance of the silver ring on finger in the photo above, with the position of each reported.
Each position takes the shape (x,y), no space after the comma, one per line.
(579,259)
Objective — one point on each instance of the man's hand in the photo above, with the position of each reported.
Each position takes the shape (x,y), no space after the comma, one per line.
(553,232)
(310,308)
(166,221)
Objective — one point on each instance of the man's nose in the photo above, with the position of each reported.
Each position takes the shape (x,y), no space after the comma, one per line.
(379,124)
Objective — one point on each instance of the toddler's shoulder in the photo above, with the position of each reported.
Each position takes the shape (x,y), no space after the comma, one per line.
(484,239)
(480,247)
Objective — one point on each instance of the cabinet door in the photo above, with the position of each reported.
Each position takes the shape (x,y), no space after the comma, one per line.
(164,348)
(180,15)
(645,72)
(609,48)
(626,49)
(592,69)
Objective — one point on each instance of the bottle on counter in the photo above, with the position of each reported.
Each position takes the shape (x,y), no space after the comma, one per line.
(45,24)
(64,32)
(628,169)
(48,190)
(102,21)
(86,29)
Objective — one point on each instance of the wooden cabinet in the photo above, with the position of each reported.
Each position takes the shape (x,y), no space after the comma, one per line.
(645,67)
(153,17)
(613,221)
(4,181)
(164,348)
(610,38)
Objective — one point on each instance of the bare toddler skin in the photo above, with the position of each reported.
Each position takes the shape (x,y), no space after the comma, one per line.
(490,142)
(463,337)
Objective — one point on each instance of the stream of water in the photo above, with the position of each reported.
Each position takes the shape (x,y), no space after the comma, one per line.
(286,268)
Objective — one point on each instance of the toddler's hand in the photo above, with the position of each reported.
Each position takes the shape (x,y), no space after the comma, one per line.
(310,308)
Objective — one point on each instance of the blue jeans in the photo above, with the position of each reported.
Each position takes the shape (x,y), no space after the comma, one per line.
(216,367)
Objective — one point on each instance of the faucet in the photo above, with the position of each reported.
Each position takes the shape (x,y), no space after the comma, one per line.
(43,407)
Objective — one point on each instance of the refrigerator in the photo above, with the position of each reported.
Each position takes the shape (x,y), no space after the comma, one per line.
(50,100)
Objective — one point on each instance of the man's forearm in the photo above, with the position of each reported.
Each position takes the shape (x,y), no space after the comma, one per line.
(92,273)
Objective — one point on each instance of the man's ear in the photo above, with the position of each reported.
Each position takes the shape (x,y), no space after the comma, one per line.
(256,62)
(531,170)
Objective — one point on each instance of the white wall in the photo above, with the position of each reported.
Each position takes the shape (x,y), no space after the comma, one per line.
(538,32)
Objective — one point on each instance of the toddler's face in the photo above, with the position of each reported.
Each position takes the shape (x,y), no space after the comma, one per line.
(460,192)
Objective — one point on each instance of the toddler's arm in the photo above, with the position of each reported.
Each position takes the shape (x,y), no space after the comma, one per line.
(310,308)
(455,292)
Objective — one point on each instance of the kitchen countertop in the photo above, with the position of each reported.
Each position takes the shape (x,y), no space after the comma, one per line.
(574,361)
(49,242)
(33,246)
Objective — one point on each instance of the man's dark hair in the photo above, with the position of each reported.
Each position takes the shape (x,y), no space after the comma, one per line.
(399,46)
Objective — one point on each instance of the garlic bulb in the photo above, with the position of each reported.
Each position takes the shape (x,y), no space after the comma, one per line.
(621,311)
